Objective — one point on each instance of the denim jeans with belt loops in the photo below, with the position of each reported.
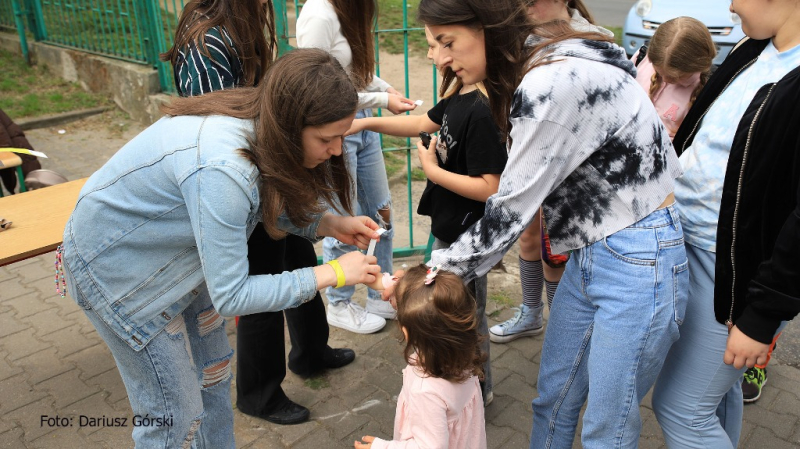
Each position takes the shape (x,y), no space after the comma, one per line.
(365,163)
(166,379)
(615,315)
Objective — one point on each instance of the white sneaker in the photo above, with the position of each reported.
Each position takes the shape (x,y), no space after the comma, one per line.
(488,400)
(381,308)
(351,316)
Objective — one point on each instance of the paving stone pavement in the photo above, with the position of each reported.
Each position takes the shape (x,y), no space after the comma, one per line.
(54,368)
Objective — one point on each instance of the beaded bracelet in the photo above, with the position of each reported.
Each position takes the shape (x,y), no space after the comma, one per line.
(340,280)
(61,284)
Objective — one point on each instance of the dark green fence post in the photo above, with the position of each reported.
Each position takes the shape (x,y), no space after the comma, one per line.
(36,17)
(282,27)
(152,30)
(23,42)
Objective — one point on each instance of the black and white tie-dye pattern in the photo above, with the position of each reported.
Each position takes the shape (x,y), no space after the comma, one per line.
(587,144)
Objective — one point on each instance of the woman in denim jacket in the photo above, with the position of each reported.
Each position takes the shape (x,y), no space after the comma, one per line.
(158,238)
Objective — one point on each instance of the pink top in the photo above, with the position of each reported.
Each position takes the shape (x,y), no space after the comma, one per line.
(671,100)
(436,413)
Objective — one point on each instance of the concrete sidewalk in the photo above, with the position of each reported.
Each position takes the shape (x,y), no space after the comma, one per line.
(53,364)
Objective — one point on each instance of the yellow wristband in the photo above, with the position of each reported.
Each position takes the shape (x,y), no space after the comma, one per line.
(340,280)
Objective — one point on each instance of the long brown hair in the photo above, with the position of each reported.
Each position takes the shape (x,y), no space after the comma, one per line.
(357,19)
(506,27)
(442,326)
(305,87)
(681,46)
(244,20)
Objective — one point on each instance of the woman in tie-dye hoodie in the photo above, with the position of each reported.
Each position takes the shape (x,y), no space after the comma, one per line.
(586,144)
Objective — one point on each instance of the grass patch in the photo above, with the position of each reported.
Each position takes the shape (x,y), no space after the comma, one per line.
(27,91)
(617,34)
(395,161)
(502,298)
(317,383)
(390,17)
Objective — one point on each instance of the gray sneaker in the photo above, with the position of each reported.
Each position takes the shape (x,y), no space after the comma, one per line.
(526,322)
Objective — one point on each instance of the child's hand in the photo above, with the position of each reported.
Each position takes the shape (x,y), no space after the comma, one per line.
(427,156)
(378,284)
(744,351)
(367,442)
(388,293)
(398,104)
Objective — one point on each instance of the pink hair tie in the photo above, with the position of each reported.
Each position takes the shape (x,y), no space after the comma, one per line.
(432,272)
(389,280)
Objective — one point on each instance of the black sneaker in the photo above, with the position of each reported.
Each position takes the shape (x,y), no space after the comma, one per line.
(331,359)
(338,357)
(753,381)
(288,413)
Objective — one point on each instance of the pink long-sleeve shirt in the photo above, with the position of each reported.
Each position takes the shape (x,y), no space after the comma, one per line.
(671,100)
(436,413)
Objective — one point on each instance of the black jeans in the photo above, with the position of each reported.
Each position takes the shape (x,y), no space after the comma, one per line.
(260,352)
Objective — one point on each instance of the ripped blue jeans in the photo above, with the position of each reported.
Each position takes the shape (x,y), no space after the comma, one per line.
(372,198)
(181,380)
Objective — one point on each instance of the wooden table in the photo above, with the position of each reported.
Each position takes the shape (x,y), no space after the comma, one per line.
(38,218)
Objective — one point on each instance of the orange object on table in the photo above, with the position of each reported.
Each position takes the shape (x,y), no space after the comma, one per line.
(38,217)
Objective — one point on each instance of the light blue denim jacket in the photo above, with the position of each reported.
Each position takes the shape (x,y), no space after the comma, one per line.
(170,210)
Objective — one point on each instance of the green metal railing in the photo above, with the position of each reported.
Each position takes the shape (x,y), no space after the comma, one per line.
(139,31)
(7,16)
(130,30)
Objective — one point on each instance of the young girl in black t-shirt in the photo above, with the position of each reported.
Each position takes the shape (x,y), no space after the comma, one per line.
(462,173)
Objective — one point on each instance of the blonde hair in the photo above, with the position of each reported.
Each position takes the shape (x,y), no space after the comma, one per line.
(681,46)
(442,326)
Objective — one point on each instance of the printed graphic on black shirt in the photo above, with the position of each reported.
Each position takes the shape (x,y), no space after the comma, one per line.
(445,136)
(469,144)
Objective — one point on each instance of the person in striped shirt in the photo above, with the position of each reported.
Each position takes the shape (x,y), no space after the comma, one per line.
(218,45)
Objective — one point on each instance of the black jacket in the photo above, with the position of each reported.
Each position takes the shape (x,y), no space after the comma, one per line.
(758,236)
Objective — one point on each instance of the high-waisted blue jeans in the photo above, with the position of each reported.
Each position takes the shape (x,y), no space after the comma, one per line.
(615,315)
(698,398)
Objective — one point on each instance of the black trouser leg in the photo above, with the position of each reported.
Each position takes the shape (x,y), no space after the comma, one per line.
(308,324)
(260,352)
(261,365)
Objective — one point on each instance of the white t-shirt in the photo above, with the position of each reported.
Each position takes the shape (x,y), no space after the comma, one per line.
(319,27)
